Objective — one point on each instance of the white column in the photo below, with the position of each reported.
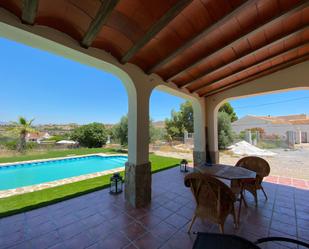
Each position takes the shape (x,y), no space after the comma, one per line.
(138,167)
(212,131)
(199,152)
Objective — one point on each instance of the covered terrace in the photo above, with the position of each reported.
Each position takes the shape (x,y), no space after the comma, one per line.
(207,51)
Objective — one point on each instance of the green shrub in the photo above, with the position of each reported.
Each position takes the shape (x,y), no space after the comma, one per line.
(120,131)
(92,135)
(57,138)
(31,145)
(225,133)
(11,145)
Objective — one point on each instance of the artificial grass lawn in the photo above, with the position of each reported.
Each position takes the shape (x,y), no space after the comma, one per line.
(20,203)
(57,153)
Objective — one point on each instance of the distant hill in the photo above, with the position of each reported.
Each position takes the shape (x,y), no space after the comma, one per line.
(3,123)
(159,124)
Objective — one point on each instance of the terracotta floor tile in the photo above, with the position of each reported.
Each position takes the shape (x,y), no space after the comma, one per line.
(79,241)
(137,213)
(23,245)
(148,241)
(99,220)
(134,231)
(163,230)
(130,246)
(71,230)
(115,240)
(284,218)
(93,220)
(162,212)
(12,239)
(180,240)
(65,220)
(283,228)
(102,230)
(303,234)
(186,212)
(46,241)
(177,221)
(121,221)
(35,231)
(150,221)
(172,205)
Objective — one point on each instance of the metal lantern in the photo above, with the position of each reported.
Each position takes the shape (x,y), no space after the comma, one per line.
(183,165)
(115,184)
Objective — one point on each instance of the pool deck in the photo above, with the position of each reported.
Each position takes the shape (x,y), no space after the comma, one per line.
(102,221)
(36,187)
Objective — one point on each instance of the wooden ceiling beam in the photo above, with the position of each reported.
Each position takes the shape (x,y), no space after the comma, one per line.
(155,29)
(260,74)
(281,16)
(29,11)
(249,53)
(251,67)
(199,36)
(106,8)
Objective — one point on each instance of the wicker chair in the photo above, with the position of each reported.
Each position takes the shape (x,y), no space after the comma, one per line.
(262,169)
(214,200)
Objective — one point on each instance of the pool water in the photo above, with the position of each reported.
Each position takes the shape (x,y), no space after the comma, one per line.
(20,175)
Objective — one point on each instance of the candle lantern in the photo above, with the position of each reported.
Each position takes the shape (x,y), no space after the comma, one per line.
(183,165)
(115,184)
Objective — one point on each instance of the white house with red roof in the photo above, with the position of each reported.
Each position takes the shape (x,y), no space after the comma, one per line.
(275,125)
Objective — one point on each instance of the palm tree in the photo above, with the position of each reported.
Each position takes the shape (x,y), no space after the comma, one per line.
(22,127)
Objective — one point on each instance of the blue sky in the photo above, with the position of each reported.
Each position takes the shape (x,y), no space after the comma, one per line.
(276,104)
(52,89)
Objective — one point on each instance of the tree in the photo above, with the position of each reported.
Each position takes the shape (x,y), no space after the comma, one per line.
(180,121)
(174,126)
(92,135)
(120,131)
(183,121)
(227,108)
(225,133)
(22,128)
(186,111)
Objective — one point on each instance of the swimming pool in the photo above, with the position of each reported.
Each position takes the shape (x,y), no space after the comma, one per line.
(21,175)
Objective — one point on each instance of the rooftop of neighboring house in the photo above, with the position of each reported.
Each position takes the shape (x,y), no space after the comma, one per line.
(37,135)
(288,119)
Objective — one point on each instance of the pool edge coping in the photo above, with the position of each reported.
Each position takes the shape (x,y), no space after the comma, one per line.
(58,158)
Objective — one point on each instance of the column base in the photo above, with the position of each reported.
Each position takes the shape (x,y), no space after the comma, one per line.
(138,184)
(214,156)
(199,158)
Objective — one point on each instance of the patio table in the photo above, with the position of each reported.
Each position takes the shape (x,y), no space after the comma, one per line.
(227,172)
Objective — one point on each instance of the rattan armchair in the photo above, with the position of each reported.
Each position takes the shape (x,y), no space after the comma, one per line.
(214,200)
(262,169)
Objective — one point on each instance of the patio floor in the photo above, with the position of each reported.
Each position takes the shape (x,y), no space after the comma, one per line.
(99,220)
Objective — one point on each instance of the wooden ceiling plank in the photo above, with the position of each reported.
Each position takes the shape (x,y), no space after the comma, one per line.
(259,74)
(219,68)
(199,36)
(29,11)
(155,29)
(106,8)
(277,18)
(253,66)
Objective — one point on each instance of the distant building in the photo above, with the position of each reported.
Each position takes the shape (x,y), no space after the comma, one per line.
(37,136)
(275,125)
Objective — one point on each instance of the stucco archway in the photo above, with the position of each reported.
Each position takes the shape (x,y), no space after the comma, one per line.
(294,77)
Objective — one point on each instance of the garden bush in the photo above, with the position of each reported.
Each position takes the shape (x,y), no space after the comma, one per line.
(225,133)
(92,135)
